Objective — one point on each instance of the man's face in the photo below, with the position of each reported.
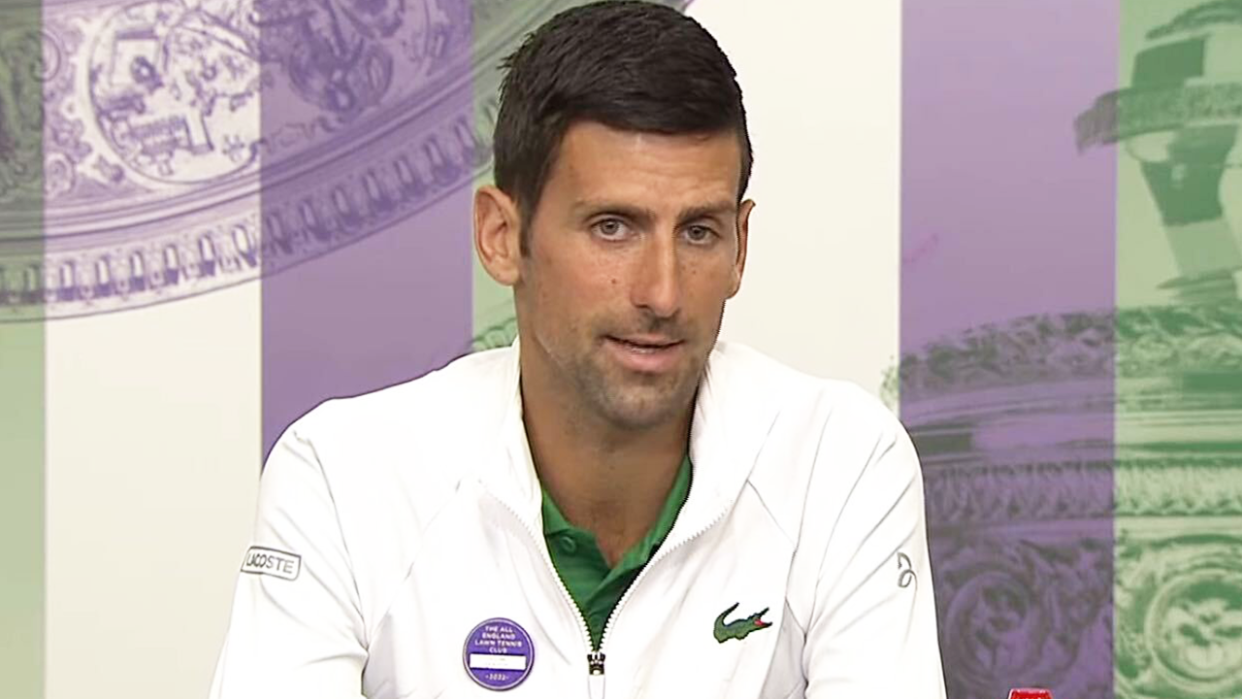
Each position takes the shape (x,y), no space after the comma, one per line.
(634,247)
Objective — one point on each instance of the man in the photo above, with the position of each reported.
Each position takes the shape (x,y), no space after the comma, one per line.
(617,505)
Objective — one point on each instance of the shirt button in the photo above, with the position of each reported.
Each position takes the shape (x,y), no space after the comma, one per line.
(568,545)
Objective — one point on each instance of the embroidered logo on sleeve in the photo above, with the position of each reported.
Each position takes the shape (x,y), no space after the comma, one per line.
(265,561)
(905,570)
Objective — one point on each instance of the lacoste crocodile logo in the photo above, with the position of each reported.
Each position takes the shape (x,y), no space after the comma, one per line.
(739,628)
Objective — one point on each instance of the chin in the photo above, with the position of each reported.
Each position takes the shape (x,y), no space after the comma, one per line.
(636,421)
(639,412)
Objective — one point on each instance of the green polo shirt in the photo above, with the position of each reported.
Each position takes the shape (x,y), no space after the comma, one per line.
(594,586)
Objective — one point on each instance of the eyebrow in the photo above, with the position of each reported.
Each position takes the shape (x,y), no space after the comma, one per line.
(646,216)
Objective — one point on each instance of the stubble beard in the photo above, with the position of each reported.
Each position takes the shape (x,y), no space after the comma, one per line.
(633,402)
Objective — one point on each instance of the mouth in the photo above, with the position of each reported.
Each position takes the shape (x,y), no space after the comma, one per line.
(643,344)
(646,354)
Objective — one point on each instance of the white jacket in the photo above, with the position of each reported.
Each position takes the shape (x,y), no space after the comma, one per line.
(391,524)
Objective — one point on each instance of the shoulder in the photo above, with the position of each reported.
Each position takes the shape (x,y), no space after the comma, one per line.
(443,410)
(406,445)
(758,384)
(390,461)
(820,437)
(468,388)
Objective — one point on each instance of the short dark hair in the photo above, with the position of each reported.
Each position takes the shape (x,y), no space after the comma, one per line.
(630,65)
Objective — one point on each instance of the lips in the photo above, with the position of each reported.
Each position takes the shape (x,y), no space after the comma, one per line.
(645,342)
(646,354)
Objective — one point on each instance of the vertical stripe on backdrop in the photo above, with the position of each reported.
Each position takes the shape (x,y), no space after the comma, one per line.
(21,509)
(1007,336)
(22,366)
(496,34)
(1178,615)
(365,203)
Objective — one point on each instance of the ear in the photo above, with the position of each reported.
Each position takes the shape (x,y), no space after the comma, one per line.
(743,235)
(497,227)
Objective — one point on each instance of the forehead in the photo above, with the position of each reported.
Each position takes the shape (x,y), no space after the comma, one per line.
(598,162)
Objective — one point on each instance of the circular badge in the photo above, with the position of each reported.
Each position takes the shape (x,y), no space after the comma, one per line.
(498,654)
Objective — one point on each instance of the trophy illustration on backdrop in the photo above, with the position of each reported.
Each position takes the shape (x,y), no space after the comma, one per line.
(1084,470)
(1180,119)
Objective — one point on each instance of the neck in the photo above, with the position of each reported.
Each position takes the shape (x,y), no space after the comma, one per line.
(609,481)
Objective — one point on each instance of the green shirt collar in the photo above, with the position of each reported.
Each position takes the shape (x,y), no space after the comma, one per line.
(576,556)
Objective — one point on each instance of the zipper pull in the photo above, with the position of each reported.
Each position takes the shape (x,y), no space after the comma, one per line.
(595,677)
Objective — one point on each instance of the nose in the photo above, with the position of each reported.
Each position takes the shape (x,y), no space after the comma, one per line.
(657,281)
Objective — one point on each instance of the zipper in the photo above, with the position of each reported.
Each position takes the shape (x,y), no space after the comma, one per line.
(663,552)
(595,673)
(595,658)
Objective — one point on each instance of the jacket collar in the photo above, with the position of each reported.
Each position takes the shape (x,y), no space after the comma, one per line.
(731,421)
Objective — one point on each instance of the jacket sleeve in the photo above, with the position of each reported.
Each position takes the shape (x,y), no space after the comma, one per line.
(872,630)
(296,628)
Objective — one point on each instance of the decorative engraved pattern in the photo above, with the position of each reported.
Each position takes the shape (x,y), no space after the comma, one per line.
(174,89)
(1051,491)
(1180,487)
(1142,342)
(1016,606)
(1179,611)
(1036,492)
(24,65)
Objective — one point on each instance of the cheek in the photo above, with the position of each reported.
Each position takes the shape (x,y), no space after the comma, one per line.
(708,289)
(569,301)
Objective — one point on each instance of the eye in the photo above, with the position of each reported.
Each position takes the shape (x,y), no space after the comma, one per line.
(700,234)
(610,228)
